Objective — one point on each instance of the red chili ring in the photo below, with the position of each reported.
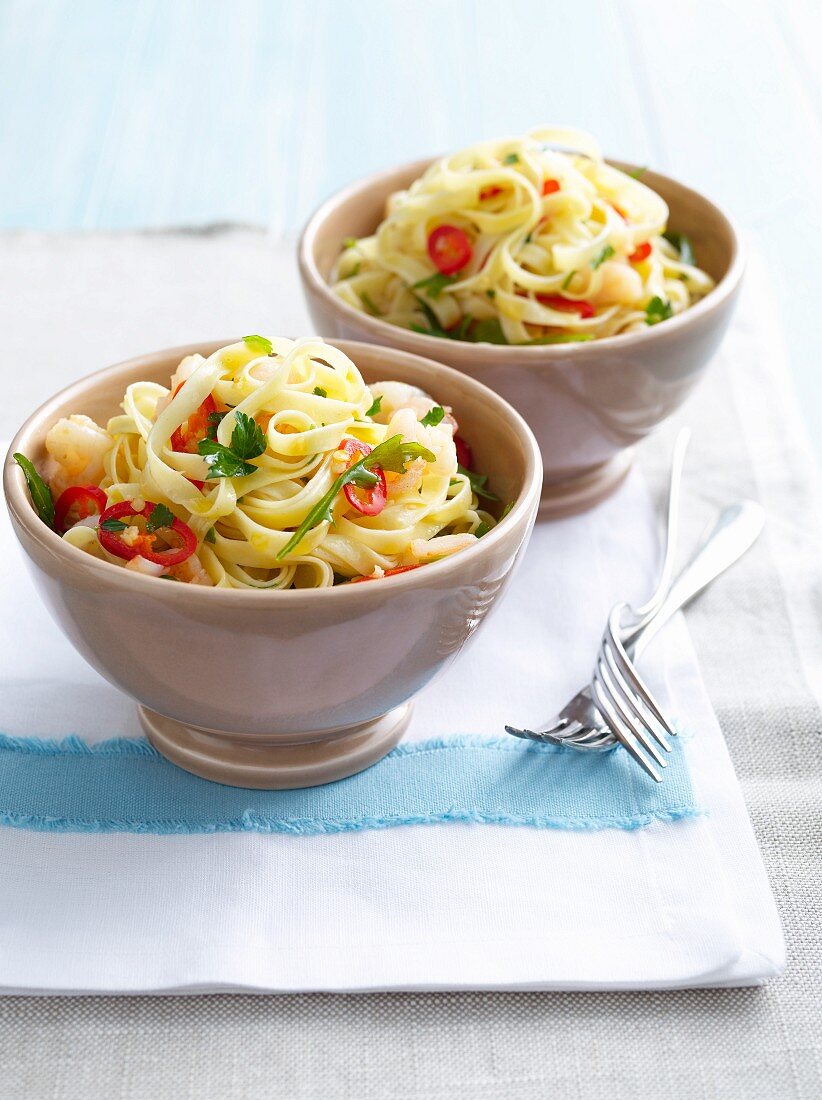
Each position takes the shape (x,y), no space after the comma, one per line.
(113,542)
(566,305)
(87,499)
(450,249)
(368,501)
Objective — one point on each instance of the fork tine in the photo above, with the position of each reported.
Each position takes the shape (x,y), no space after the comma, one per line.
(624,687)
(592,741)
(622,735)
(557,728)
(611,635)
(633,722)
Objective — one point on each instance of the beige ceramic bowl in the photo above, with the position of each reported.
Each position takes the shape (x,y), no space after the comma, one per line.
(587,403)
(280,689)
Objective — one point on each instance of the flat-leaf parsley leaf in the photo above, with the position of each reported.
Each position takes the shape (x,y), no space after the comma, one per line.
(435,284)
(160,517)
(260,344)
(683,246)
(247,442)
(477,483)
(433,416)
(658,310)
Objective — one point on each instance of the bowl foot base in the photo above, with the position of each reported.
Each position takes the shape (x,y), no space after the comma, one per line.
(272,765)
(586,490)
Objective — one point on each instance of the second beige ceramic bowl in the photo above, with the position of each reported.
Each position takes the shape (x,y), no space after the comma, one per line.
(280,689)
(586,403)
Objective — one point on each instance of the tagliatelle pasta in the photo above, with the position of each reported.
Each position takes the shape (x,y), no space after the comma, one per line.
(270,464)
(525,240)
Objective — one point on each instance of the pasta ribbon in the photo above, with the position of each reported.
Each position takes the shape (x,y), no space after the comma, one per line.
(525,240)
(245,446)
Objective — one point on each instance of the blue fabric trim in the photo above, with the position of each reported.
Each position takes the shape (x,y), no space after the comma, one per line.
(125,785)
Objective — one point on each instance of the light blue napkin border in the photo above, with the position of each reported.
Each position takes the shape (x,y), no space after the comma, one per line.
(124,785)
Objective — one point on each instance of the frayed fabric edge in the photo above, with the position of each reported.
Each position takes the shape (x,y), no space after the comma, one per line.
(139,746)
(252,823)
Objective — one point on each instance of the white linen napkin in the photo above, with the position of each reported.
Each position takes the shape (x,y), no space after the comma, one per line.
(421,907)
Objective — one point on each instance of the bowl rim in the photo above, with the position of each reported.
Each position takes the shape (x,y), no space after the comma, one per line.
(22,509)
(527,355)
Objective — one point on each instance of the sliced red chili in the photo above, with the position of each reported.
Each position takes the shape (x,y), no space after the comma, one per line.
(192,431)
(76,503)
(449,248)
(620,211)
(550,186)
(490,192)
(464,455)
(370,500)
(566,305)
(641,253)
(387,573)
(142,546)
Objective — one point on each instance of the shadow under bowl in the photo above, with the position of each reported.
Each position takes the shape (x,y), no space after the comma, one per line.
(587,403)
(279,689)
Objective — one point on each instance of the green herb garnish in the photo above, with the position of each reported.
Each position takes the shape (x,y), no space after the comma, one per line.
(355,270)
(247,441)
(477,483)
(433,416)
(511,158)
(637,172)
(260,344)
(491,294)
(506,510)
(561,338)
(604,255)
(434,284)
(391,455)
(435,328)
(210,535)
(113,525)
(214,423)
(566,282)
(488,331)
(462,331)
(657,310)
(482,529)
(375,407)
(349,242)
(368,302)
(38,490)
(683,246)
(320,392)
(160,517)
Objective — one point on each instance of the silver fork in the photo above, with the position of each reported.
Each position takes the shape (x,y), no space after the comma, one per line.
(580,723)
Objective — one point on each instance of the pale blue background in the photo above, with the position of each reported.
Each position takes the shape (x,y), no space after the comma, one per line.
(119,114)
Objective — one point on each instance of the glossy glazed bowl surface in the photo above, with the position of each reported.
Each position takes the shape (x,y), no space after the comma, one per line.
(587,403)
(280,689)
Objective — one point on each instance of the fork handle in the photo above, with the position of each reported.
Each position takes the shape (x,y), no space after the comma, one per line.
(736,529)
